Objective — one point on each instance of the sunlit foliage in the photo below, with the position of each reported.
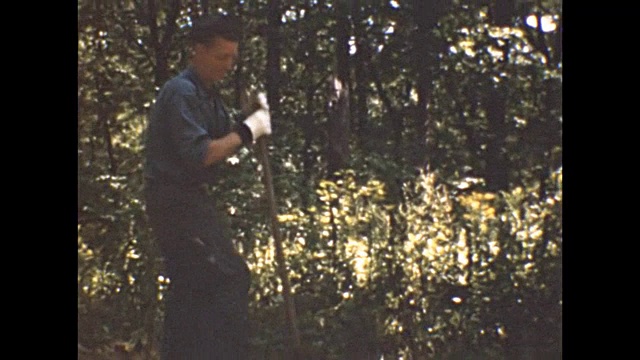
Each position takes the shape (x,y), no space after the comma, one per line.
(414,250)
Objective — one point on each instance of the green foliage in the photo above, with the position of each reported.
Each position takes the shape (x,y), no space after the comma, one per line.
(387,257)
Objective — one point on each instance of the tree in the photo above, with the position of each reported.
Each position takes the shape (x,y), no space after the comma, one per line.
(440,234)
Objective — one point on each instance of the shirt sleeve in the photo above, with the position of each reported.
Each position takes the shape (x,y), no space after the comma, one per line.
(187,132)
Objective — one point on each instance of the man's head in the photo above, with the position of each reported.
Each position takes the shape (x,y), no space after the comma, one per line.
(214,40)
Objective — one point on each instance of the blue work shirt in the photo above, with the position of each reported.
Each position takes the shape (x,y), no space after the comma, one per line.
(184,119)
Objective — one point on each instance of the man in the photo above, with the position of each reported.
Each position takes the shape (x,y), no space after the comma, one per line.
(189,135)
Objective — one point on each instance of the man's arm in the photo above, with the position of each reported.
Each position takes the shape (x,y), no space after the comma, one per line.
(194,144)
(220,149)
(257,124)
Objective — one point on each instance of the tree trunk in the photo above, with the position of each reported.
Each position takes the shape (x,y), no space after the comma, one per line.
(360,119)
(497,166)
(502,11)
(496,170)
(425,14)
(274,41)
(338,127)
(103,119)
(161,43)
(339,107)
(273,95)
(239,80)
(104,112)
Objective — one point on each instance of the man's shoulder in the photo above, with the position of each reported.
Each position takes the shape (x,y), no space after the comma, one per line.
(180,84)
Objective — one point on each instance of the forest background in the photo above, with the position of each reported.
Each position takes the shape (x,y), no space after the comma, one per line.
(417,161)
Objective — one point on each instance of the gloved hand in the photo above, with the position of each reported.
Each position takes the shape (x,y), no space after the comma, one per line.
(259,122)
(251,101)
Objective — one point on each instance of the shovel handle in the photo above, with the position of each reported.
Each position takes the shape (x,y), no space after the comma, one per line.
(263,154)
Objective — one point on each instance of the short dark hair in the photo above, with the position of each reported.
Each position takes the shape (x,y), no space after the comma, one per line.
(207,27)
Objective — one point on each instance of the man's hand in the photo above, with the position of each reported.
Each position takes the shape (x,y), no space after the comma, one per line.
(251,102)
(259,122)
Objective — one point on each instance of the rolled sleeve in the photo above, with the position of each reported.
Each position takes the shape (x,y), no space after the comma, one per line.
(188,134)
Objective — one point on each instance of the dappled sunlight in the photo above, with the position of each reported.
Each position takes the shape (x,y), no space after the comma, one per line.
(487,39)
(404,253)
(547,24)
(358,252)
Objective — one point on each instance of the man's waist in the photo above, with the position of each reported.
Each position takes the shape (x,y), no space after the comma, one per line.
(185,185)
(164,173)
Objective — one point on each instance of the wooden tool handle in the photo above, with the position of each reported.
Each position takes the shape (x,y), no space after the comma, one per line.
(263,153)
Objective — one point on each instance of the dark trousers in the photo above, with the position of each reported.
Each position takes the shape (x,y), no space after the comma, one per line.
(207,302)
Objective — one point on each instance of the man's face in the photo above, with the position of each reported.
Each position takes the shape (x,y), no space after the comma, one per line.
(216,59)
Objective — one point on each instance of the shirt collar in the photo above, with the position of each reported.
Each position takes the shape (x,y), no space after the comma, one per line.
(190,73)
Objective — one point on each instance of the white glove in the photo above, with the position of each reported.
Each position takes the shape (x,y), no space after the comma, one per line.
(259,123)
(262,101)
(251,102)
